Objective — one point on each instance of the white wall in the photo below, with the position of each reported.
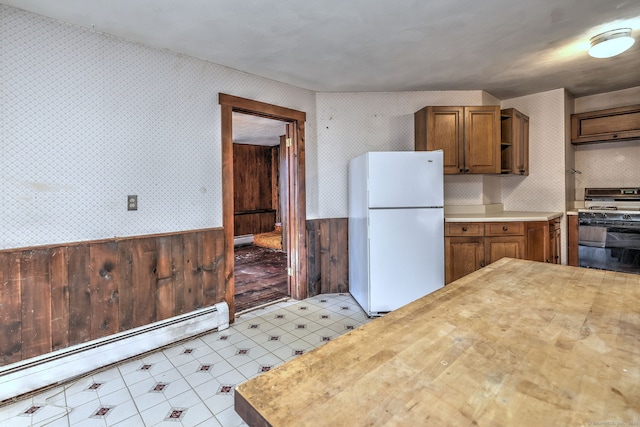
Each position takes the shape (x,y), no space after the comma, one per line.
(544,190)
(569,153)
(88,118)
(609,164)
(350,124)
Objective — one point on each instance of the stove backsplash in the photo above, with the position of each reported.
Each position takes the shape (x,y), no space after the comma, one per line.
(607,165)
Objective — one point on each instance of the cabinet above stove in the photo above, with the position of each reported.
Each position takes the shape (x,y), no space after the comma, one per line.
(610,125)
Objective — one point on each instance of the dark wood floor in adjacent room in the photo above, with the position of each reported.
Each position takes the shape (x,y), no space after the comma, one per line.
(260,276)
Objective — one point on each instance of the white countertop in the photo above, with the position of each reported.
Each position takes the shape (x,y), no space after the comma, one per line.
(502,216)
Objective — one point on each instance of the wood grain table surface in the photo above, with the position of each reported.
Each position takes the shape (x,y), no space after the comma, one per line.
(518,343)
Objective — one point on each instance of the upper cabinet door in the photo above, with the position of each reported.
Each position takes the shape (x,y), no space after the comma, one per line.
(482,139)
(469,137)
(445,132)
(441,128)
(613,124)
(514,142)
(522,149)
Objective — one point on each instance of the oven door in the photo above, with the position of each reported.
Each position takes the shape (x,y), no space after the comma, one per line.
(609,246)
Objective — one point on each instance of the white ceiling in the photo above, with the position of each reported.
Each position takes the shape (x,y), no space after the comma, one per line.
(256,130)
(508,48)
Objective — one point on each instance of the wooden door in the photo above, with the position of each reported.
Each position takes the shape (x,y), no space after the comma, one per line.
(291,237)
(521,144)
(283,183)
(537,241)
(297,249)
(499,247)
(463,255)
(554,242)
(482,139)
(558,246)
(445,132)
(572,233)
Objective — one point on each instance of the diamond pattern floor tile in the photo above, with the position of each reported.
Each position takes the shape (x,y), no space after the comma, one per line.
(194,380)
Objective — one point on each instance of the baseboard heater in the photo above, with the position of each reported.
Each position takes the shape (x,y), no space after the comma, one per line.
(245,239)
(62,365)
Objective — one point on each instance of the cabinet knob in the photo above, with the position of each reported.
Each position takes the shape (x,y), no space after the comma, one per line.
(461,170)
(615,136)
(464,228)
(505,228)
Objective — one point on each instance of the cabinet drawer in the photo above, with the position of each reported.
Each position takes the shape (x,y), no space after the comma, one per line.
(464,229)
(504,229)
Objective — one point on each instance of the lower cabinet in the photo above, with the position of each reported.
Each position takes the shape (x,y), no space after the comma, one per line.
(544,241)
(463,255)
(500,247)
(538,245)
(470,246)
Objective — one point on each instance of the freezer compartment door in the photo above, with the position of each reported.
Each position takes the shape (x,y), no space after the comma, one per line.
(406,249)
(405,179)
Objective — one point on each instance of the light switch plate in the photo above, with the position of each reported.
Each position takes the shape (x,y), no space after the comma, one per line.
(132,203)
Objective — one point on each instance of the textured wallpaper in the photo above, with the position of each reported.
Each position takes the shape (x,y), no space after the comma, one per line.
(544,190)
(350,124)
(612,164)
(88,119)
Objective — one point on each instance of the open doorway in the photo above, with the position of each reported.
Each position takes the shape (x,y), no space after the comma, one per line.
(293,211)
(260,259)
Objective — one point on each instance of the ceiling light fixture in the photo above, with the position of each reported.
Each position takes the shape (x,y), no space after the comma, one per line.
(611,43)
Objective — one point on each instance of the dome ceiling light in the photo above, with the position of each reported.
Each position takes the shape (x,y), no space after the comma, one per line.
(611,43)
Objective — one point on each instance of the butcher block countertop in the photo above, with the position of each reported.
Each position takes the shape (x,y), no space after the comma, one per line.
(517,343)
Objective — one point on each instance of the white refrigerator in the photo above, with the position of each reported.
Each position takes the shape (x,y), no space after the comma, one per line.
(396,228)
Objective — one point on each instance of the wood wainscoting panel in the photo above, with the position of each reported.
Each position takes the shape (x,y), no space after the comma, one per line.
(165,297)
(252,177)
(59,298)
(212,256)
(125,293)
(191,273)
(53,297)
(11,313)
(104,285)
(328,255)
(79,294)
(36,302)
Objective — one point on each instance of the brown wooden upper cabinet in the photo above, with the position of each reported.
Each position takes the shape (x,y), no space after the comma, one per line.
(514,142)
(468,136)
(613,124)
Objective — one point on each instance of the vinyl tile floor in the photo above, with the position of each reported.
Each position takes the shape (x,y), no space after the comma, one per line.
(191,383)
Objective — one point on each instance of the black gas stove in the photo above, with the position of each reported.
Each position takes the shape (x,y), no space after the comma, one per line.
(606,205)
(609,229)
